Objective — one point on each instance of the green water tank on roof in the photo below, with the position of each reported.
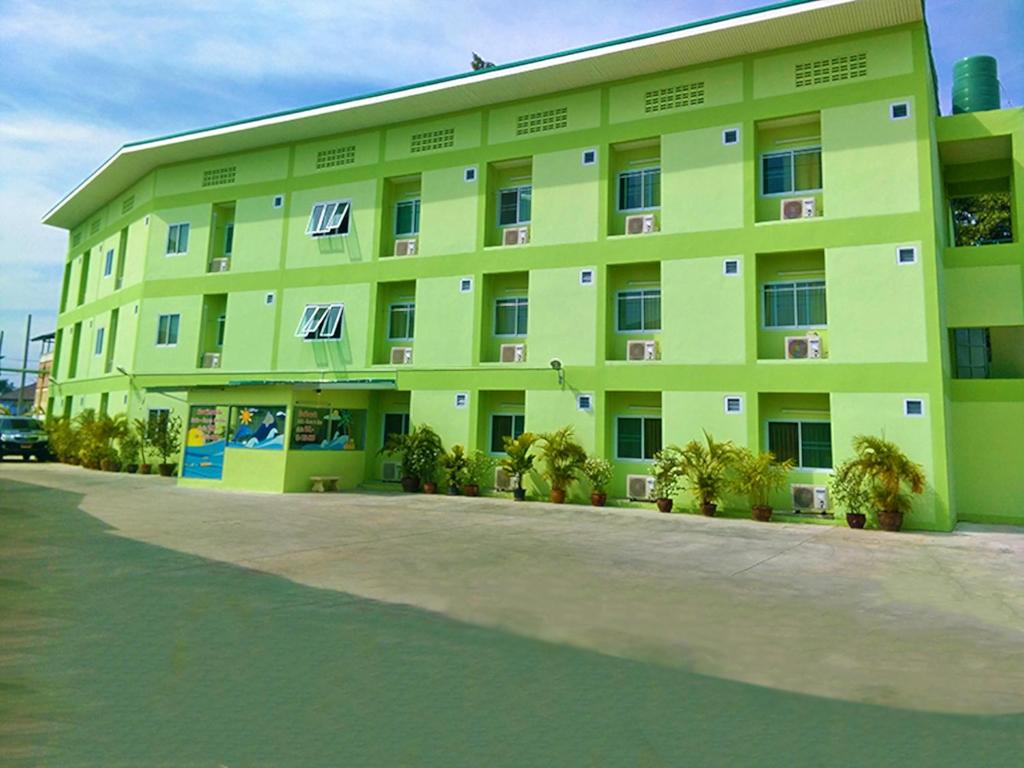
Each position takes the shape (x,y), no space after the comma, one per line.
(975,85)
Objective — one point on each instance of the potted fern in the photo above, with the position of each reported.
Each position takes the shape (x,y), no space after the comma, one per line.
(757,475)
(518,461)
(704,469)
(666,470)
(599,472)
(563,459)
(887,475)
(479,471)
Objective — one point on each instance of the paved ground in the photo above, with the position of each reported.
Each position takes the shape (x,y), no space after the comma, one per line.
(918,621)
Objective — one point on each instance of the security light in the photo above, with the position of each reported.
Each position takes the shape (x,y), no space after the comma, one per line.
(555,363)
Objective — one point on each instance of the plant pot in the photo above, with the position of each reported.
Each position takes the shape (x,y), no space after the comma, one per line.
(557,495)
(471,489)
(131,469)
(145,469)
(890,520)
(166,470)
(664,505)
(110,465)
(519,494)
(429,487)
(762,513)
(410,484)
(598,499)
(856,519)
(708,510)
(453,490)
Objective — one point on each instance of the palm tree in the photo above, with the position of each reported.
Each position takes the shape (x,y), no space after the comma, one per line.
(885,471)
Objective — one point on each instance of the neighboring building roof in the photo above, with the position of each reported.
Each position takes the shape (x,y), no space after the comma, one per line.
(45,336)
(27,394)
(779,25)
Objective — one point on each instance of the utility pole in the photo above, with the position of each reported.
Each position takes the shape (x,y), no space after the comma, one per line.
(24,361)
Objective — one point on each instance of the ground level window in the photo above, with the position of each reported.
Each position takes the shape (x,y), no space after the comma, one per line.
(639,310)
(637,437)
(156,421)
(807,443)
(800,304)
(396,424)
(505,425)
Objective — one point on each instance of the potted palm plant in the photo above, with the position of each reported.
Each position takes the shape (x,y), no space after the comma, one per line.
(479,469)
(599,472)
(847,490)
(563,459)
(757,475)
(665,470)
(144,437)
(887,475)
(518,461)
(704,470)
(454,465)
(419,451)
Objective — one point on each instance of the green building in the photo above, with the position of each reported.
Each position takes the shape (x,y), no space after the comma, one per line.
(757,225)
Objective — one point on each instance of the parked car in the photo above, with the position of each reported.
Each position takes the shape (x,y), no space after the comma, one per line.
(22,436)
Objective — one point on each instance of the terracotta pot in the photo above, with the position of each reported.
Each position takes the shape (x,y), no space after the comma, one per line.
(166,470)
(557,496)
(109,465)
(762,513)
(410,484)
(856,519)
(664,505)
(471,489)
(708,510)
(519,494)
(890,520)
(598,499)
(429,487)
(145,469)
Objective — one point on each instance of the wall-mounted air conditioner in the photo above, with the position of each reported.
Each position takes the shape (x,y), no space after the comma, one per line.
(211,360)
(401,355)
(503,481)
(405,247)
(390,471)
(512,353)
(641,350)
(798,208)
(515,236)
(809,498)
(641,224)
(220,265)
(803,347)
(639,487)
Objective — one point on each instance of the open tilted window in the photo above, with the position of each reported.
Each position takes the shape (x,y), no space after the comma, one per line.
(329,218)
(320,321)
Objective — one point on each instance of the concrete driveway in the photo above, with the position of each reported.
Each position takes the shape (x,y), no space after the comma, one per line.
(921,621)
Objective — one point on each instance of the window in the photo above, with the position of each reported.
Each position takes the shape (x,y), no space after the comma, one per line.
(278,201)
(913,407)
(156,421)
(268,299)
(586,276)
(637,437)
(461,399)
(396,424)
(731,267)
(640,190)
(505,425)
(221,324)
(796,170)
(514,206)
(469,174)
(407,217)
(906,255)
(321,321)
(584,401)
(807,443)
(99,341)
(899,111)
(177,239)
(510,316)
(401,320)
(973,353)
(589,156)
(229,238)
(799,304)
(108,263)
(639,311)
(329,218)
(731,136)
(733,404)
(167,330)
(465,284)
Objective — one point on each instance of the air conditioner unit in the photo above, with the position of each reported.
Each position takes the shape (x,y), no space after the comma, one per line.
(503,481)
(220,265)
(405,247)
(513,353)
(390,471)
(516,236)
(803,347)
(211,360)
(401,355)
(640,224)
(639,487)
(809,498)
(798,208)
(642,350)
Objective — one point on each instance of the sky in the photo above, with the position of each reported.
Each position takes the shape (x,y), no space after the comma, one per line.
(79,79)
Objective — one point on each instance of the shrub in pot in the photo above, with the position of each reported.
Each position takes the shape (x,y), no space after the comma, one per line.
(599,472)
(704,468)
(756,476)
(141,432)
(563,459)
(419,451)
(518,461)
(63,439)
(166,441)
(128,450)
(888,476)
(848,491)
(479,472)
(453,469)
(666,471)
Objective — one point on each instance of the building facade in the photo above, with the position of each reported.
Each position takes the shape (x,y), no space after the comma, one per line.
(753,226)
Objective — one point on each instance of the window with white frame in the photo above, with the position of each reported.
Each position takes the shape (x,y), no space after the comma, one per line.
(407,218)
(584,401)
(733,404)
(108,263)
(221,326)
(99,341)
(797,304)
(913,407)
(177,239)
(330,217)
(638,311)
(510,316)
(321,322)
(514,206)
(639,190)
(401,321)
(396,424)
(167,330)
(510,425)
(637,437)
(791,171)
(808,444)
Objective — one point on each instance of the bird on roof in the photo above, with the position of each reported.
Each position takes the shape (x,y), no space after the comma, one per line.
(478,63)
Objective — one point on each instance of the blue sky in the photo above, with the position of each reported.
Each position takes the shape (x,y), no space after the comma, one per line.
(79,79)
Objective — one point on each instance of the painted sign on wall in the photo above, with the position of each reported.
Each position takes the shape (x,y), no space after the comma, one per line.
(327,429)
(205,441)
(258,426)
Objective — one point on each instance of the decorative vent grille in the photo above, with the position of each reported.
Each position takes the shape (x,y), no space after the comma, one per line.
(217,176)
(128,204)
(537,122)
(431,140)
(833,70)
(76,238)
(94,227)
(335,156)
(677,97)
